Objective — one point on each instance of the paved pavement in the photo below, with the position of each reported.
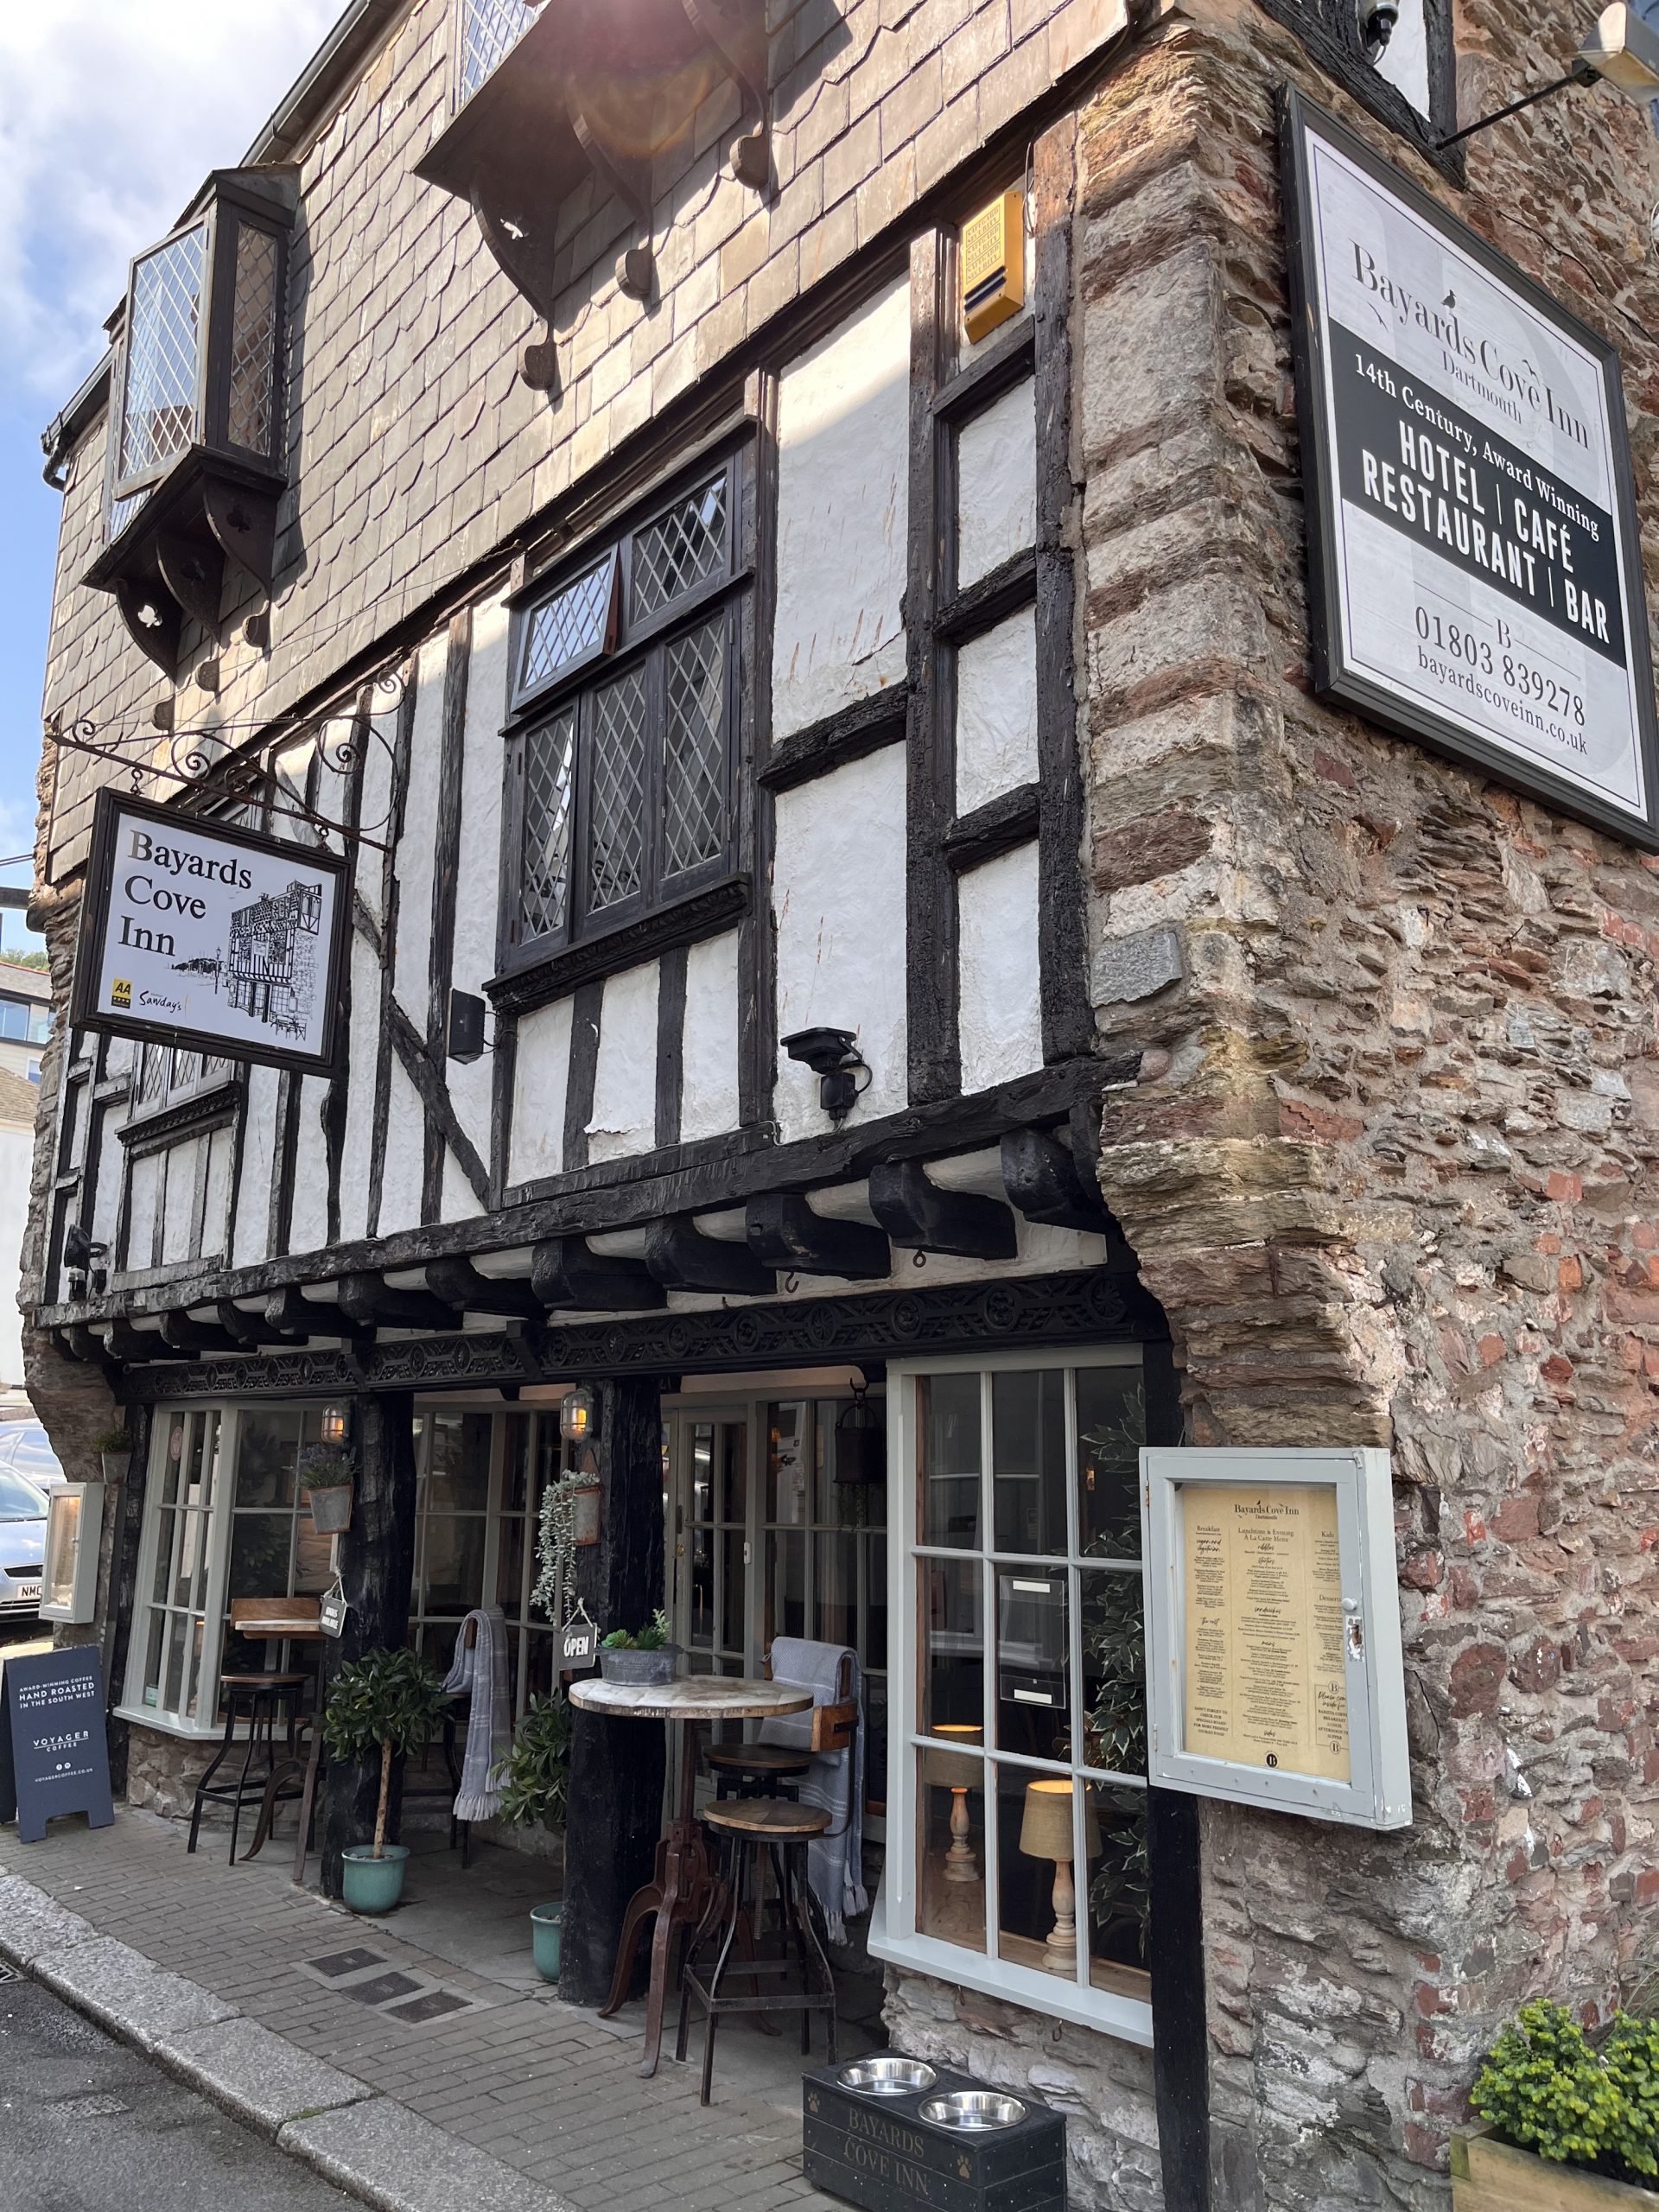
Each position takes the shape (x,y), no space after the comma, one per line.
(433,2064)
(87,2124)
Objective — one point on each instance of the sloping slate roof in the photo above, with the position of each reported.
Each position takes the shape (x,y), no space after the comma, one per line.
(19,1098)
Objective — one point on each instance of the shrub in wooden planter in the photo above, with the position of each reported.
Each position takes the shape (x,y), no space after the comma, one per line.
(1570,2128)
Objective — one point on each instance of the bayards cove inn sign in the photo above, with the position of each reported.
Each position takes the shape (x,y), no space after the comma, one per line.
(1475,572)
(197,933)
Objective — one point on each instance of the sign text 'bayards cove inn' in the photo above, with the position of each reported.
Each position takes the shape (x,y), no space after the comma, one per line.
(201,934)
(1474,542)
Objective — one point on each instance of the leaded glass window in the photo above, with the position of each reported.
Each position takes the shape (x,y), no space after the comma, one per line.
(489,31)
(253,339)
(158,411)
(620,763)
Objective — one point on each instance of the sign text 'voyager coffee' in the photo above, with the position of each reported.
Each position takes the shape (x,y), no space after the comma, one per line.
(1475,558)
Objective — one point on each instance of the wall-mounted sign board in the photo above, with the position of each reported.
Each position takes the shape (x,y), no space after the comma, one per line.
(54,1750)
(196,933)
(1274,1668)
(1475,572)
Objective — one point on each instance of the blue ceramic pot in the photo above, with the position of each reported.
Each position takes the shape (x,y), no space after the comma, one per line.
(371,1884)
(546,1927)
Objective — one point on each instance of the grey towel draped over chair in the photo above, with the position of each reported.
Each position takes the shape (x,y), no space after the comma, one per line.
(479,1672)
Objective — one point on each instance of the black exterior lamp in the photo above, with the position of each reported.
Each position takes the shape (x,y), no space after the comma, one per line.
(834,1057)
(861,1441)
(578,1414)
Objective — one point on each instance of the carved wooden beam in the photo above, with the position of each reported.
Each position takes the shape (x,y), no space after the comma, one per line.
(253,1332)
(243,522)
(683,1258)
(154,618)
(184,1334)
(370,1299)
(785,1232)
(127,1343)
(918,1215)
(297,1316)
(459,1283)
(1041,1177)
(566,1275)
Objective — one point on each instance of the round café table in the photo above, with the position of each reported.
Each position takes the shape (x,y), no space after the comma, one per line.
(678,1891)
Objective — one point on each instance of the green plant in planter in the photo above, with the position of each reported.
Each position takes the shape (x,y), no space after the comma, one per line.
(652,1638)
(325,1469)
(537,1775)
(113,1440)
(392,1698)
(1545,2089)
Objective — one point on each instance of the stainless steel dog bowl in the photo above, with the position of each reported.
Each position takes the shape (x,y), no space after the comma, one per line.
(887,2077)
(976,2109)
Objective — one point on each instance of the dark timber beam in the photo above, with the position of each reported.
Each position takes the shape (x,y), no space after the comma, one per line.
(918,1215)
(1041,1177)
(616,1764)
(376,1559)
(370,1299)
(296,1315)
(253,1332)
(185,1333)
(127,1343)
(566,1275)
(785,1232)
(459,1283)
(683,1258)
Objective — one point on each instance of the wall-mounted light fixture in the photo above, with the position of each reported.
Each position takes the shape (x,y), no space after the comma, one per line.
(1377,20)
(834,1057)
(578,1414)
(1621,51)
(334,1425)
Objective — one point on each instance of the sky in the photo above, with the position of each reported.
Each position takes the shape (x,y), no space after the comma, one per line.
(111,113)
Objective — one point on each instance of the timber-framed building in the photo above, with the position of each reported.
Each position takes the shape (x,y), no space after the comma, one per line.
(935,946)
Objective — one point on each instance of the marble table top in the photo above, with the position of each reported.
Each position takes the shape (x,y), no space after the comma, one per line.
(693,1697)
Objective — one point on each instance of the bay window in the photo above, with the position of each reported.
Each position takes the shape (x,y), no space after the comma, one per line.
(1019,1699)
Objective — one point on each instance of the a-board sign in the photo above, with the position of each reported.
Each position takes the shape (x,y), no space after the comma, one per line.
(1274,1675)
(1474,555)
(195,932)
(54,1750)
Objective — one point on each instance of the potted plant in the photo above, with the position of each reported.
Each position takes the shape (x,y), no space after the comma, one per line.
(327,1478)
(114,1449)
(392,1700)
(641,1654)
(534,1783)
(1569,2124)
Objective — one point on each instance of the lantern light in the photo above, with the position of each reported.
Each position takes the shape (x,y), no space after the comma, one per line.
(334,1425)
(578,1414)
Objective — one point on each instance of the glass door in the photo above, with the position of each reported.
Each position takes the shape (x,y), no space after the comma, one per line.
(713,1548)
(173,1670)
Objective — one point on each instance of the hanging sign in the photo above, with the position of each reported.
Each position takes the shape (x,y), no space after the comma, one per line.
(55,1751)
(1274,1668)
(196,933)
(579,1639)
(1474,555)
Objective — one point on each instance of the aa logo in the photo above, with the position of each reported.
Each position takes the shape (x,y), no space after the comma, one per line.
(120,994)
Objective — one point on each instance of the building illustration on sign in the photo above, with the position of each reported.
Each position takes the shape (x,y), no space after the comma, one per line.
(271,971)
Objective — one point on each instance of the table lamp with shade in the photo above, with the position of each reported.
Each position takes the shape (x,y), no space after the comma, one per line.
(958,1771)
(1045,1833)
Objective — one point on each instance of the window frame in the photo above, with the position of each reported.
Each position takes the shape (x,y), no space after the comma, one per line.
(632,644)
(895,1937)
(219,1517)
(33,1010)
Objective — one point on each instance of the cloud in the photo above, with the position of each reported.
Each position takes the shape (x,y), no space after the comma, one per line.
(110,116)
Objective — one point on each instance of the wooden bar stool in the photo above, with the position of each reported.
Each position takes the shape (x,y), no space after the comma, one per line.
(259,1698)
(755,1769)
(750,1830)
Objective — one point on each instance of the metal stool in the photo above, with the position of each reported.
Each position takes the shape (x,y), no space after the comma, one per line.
(259,1696)
(755,1769)
(750,1828)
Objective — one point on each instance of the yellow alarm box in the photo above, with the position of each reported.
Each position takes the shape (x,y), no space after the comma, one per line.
(994,264)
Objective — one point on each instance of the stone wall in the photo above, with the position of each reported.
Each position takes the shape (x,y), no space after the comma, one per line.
(1391,1165)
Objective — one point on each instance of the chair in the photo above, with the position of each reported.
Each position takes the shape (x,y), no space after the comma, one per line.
(750,1830)
(261,1698)
(767,1769)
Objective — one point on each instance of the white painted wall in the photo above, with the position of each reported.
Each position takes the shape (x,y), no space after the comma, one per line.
(143,1192)
(838,897)
(996,484)
(363,1045)
(308,1216)
(417,848)
(843,468)
(479,876)
(16,1152)
(1001,1026)
(1404,60)
(996,711)
(400,1189)
(709,1043)
(250,1236)
(624,1119)
(541,1074)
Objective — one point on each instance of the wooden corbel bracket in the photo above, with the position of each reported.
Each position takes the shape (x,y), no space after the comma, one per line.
(736,29)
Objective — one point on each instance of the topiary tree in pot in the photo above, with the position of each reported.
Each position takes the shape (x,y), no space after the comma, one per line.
(392,1700)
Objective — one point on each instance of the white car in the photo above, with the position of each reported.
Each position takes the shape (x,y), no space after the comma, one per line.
(24,1450)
